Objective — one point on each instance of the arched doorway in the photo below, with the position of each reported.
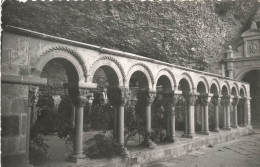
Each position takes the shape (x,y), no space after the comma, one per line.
(253,77)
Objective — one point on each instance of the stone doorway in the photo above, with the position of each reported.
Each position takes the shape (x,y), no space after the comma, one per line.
(253,77)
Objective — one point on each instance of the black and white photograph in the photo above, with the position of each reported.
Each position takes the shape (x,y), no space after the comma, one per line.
(130,83)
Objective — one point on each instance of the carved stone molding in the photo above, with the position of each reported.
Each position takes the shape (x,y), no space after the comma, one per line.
(33,95)
(147,97)
(171,73)
(190,99)
(215,101)
(235,101)
(205,100)
(70,51)
(118,95)
(147,68)
(113,60)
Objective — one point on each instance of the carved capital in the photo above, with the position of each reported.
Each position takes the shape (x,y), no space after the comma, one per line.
(226,101)
(215,101)
(147,97)
(78,96)
(119,95)
(235,101)
(171,99)
(205,100)
(33,95)
(190,99)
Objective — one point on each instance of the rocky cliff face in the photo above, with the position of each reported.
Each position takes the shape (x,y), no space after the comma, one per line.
(185,33)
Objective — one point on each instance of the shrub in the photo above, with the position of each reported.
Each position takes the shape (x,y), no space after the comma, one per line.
(103,146)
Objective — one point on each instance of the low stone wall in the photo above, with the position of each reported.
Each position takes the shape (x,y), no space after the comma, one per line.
(183,146)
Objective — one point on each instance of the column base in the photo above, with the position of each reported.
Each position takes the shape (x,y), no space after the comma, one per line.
(191,135)
(77,158)
(204,132)
(170,139)
(148,143)
(235,126)
(216,130)
(227,128)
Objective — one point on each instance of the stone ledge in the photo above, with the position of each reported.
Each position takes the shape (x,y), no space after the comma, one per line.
(23,80)
(143,157)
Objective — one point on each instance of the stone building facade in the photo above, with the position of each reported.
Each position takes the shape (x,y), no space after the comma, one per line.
(25,53)
(244,64)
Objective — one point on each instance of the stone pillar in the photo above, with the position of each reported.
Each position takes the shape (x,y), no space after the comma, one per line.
(32,101)
(215,101)
(243,112)
(190,103)
(226,101)
(205,100)
(147,97)
(247,111)
(79,96)
(115,129)
(170,101)
(198,113)
(234,104)
(118,97)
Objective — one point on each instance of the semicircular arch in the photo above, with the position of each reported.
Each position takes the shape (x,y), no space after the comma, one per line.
(63,53)
(168,73)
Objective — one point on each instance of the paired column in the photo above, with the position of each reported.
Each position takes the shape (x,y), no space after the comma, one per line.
(226,102)
(147,97)
(118,96)
(190,100)
(234,104)
(205,100)
(79,98)
(170,101)
(215,101)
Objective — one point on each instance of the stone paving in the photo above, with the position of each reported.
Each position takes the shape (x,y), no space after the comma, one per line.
(242,152)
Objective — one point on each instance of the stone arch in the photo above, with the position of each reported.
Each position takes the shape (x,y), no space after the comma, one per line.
(63,53)
(189,79)
(204,81)
(111,62)
(167,72)
(243,87)
(244,71)
(144,69)
(216,82)
(225,83)
(235,85)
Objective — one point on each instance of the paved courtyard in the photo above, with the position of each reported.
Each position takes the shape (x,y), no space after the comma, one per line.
(244,152)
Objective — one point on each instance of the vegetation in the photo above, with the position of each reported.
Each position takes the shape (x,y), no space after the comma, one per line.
(187,33)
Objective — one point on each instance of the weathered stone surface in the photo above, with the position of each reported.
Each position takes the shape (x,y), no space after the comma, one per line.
(10,125)
(24,70)
(19,105)
(5,105)
(15,90)
(24,123)
(10,41)
(19,57)
(10,69)
(6,54)
(21,144)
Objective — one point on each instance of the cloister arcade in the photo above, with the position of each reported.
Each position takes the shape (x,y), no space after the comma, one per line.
(129,76)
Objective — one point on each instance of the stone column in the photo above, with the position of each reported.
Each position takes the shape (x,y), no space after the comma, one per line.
(147,97)
(32,101)
(243,112)
(190,103)
(235,103)
(80,100)
(215,101)
(170,101)
(118,97)
(227,104)
(205,100)
(247,111)
(115,129)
